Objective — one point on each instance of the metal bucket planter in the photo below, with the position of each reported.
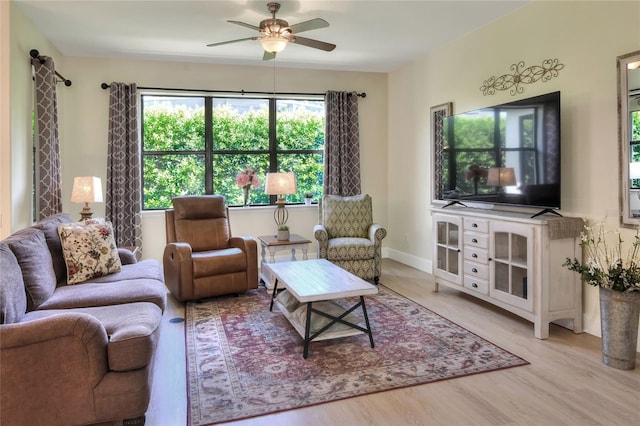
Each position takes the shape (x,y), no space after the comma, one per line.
(619,313)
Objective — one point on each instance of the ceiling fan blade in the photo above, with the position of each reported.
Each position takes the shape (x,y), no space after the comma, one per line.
(311,24)
(268,56)
(317,44)
(231,41)
(244,24)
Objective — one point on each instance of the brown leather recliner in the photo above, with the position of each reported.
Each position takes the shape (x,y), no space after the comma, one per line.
(201,258)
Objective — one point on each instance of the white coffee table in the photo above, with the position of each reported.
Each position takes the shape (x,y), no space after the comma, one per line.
(318,280)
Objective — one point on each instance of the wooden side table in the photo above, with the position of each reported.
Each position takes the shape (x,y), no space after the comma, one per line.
(271,243)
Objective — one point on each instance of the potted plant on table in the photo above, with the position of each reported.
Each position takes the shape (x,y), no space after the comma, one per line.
(283,233)
(308,197)
(605,265)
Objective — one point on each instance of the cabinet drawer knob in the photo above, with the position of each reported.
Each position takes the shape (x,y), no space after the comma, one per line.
(474,285)
(474,270)
(474,240)
(474,255)
(474,225)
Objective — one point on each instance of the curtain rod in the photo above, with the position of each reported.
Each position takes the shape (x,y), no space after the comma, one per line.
(106,86)
(36,55)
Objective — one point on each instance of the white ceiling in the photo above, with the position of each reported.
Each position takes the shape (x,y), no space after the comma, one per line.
(374,35)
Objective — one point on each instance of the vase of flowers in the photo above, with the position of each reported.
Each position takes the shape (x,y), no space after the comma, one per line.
(475,173)
(606,265)
(247,179)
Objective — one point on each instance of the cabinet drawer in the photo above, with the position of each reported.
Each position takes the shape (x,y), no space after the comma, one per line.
(475,284)
(476,270)
(476,240)
(475,254)
(476,225)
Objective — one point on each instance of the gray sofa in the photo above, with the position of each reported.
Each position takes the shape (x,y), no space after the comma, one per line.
(74,354)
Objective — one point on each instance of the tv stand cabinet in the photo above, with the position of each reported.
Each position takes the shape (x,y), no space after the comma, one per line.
(511,260)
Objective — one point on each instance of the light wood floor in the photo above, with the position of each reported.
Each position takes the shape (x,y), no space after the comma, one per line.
(565,384)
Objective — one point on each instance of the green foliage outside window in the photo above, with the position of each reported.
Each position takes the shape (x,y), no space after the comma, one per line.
(174,147)
(477,144)
(635,143)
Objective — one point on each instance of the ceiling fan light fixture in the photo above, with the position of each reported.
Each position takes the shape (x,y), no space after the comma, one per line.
(273,43)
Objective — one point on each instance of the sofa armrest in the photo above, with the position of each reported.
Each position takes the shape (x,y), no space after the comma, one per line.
(377,233)
(51,365)
(178,270)
(127,256)
(320,233)
(250,247)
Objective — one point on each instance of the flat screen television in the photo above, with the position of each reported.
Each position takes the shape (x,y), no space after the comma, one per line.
(506,154)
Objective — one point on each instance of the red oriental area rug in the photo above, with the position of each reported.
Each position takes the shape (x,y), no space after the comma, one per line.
(244,361)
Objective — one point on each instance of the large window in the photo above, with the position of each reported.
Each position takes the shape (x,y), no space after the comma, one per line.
(195,145)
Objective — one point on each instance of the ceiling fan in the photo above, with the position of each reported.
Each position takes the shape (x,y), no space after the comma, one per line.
(276,33)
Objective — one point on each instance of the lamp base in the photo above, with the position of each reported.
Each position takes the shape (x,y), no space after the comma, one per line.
(86,212)
(280,214)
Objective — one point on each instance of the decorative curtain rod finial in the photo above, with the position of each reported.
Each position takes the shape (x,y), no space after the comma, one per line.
(35,54)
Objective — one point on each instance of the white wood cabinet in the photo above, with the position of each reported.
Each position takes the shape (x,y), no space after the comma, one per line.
(447,231)
(512,261)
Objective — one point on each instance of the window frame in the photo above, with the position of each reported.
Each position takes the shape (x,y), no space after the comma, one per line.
(209,152)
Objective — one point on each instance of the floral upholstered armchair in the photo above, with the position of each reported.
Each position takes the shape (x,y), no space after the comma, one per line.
(348,237)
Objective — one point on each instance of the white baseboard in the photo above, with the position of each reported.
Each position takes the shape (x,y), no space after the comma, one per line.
(424,265)
(420,263)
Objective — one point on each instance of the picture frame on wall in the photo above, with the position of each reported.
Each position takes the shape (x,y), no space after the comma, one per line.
(438,112)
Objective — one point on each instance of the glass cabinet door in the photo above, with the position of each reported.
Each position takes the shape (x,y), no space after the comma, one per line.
(447,249)
(511,264)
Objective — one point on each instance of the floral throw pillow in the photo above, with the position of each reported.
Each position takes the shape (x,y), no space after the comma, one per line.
(89,250)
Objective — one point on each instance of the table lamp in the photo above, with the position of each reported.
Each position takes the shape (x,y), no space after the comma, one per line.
(280,184)
(86,189)
(501,176)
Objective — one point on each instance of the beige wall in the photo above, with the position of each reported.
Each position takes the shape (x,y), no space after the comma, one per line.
(586,37)
(17,140)
(5,119)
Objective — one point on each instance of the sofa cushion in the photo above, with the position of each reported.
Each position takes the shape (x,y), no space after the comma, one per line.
(49,226)
(31,251)
(89,251)
(218,262)
(351,249)
(147,269)
(132,329)
(13,300)
(90,294)
(347,216)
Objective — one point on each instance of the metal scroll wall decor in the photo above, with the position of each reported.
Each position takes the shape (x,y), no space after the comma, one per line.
(521,75)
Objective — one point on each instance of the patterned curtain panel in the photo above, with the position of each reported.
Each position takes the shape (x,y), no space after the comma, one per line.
(123,198)
(48,178)
(342,144)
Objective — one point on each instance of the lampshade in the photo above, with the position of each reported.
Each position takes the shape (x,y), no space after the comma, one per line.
(281,183)
(86,189)
(273,43)
(501,176)
(634,170)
